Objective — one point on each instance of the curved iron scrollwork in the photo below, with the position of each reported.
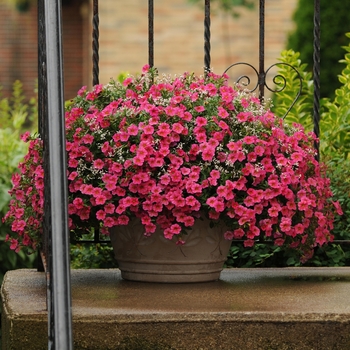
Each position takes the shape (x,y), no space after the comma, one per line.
(278,79)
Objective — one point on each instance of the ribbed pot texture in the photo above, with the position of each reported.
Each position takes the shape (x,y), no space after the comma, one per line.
(157,259)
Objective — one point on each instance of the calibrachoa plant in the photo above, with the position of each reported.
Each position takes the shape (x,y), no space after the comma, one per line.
(169,150)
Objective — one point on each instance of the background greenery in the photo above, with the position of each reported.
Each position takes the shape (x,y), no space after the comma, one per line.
(16,116)
(334,22)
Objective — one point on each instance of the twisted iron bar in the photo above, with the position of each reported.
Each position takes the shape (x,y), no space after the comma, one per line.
(262,74)
(150,33)
(207,37)
(262,83)
(316,73)
(95,44)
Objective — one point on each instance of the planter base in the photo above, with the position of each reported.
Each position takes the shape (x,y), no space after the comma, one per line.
(157,259)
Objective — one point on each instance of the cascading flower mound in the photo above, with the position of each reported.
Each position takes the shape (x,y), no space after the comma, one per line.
(169,150)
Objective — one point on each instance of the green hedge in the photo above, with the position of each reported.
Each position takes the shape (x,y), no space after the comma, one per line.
(335,22)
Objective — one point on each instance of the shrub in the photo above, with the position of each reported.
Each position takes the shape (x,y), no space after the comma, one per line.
(334,150)
(15,116)
(335,19)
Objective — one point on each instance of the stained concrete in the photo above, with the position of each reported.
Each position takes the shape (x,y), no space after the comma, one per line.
(253,309)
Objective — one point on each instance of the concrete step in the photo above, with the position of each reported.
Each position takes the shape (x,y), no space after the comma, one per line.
(253,309)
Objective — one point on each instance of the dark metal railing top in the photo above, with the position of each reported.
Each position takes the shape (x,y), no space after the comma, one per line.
(52,130)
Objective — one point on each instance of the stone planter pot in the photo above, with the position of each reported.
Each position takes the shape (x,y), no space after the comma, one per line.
(157,259)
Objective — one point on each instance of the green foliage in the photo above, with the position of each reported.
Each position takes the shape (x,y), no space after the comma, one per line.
(261,255)
(301,111)
(92,256)
(335,150)
(335,119)
(339,173)
(267,255)
(335,113)
(335,19)
(15,117)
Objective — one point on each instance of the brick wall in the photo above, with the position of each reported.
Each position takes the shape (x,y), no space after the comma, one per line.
(179,36)
(179,40)
(18,48)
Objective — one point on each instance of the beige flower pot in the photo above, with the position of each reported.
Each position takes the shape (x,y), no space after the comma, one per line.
(157,259)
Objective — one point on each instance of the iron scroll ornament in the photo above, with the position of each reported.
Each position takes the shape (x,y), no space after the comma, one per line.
(279,80)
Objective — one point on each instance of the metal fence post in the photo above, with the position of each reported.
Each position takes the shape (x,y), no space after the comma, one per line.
(95,43)
(150,33)
(52,131)
(207,37)
(316,72)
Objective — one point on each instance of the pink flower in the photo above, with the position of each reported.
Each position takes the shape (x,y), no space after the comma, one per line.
(285,224)
(100,215)
(123,220)
(274,211)
(78,203)
(248,243)
(229,235)
(238,233)
(148,129)
(98,164)
(25,137)
(199,109)
(163,129)
(82,91)
(245,103)
(222,113)
(132,130)
(279,241)
(178,128)
(145,68)
(338,207)
(200,121)
(166,149)
(243,116)
(168,233)
(127,81)
(14,244)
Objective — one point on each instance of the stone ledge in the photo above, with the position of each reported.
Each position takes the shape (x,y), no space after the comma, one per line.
(258,309)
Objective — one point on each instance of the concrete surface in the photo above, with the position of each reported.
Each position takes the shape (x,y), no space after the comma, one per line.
(258,309)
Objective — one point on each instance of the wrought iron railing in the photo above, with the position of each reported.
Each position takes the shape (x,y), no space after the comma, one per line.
(52,130)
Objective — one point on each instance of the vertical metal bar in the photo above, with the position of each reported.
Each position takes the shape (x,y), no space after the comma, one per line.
(42,100)
(261,80)
(150,33)
(207,37)
(95,43)
(56,209)
(42,103)
(316,71)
